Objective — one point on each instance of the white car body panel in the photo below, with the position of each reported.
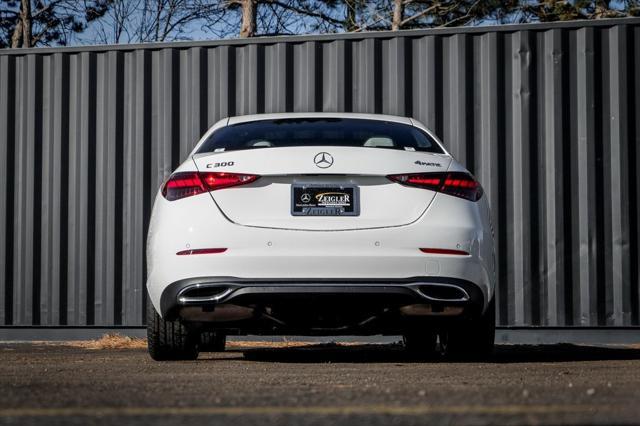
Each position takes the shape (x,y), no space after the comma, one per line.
(263,240)
(383,203)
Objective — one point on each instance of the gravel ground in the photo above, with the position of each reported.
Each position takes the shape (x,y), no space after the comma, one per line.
(44,384)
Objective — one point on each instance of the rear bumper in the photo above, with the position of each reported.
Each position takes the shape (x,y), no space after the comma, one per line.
(303,306)
(264,256)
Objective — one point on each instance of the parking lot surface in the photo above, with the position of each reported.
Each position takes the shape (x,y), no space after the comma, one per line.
(45,384)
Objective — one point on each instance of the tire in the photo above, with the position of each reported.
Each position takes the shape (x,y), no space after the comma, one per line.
(421,344)
(169,340)
(472,340)
(212,341)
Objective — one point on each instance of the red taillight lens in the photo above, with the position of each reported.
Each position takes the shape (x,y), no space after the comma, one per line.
(458,184)
(186,184)
(201,251)
(221,180)
(444,251)
(181,185)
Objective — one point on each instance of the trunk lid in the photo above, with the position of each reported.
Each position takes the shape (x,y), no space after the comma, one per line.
(268,201)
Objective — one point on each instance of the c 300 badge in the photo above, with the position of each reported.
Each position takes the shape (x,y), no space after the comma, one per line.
(220,164)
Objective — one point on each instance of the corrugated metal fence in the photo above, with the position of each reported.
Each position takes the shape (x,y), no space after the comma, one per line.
(547,116)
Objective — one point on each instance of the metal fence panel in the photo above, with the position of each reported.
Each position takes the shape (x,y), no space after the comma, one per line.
(546,116)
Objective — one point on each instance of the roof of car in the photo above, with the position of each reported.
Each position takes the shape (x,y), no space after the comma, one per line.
(279,116)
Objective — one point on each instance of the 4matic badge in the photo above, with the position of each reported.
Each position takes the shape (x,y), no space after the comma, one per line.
(424,163)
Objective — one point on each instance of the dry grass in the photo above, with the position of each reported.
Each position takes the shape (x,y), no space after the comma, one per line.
(118,341)
(111,341)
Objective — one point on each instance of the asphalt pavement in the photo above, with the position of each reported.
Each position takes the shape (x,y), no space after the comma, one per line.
(44,384)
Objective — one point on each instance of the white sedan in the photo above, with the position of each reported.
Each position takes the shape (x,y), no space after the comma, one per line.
(320,224)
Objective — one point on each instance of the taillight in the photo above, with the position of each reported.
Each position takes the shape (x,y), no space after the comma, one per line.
(458,184)
(444,251)
(201,251)
(181,185)
(186,184)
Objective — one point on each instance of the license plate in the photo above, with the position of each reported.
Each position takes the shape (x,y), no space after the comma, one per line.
(325,200)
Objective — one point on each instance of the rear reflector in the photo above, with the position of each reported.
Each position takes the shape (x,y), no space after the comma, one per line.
(458,184)
(186,184)
(444,251)
(201,251)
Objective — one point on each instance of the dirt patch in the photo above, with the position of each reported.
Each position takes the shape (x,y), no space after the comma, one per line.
(247,345)
(286,344)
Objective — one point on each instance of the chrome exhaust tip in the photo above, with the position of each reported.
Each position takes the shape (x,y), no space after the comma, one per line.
(202,293)
(443,293)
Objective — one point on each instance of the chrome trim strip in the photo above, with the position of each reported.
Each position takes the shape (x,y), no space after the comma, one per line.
(231,287)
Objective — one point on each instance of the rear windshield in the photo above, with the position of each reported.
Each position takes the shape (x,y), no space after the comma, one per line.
(319,132)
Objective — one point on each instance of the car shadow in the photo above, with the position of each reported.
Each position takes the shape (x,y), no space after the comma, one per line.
(394,353)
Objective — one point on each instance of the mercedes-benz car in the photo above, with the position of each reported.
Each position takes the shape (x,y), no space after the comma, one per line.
(320,224)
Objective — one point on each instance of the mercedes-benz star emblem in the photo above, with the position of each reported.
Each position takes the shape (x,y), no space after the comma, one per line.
(305,198)
(323,160)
